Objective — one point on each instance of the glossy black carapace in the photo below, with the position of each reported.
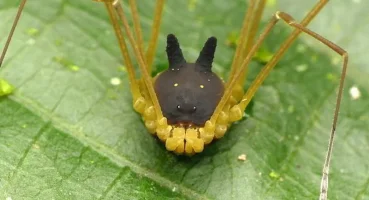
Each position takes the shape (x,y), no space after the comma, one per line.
(189,92)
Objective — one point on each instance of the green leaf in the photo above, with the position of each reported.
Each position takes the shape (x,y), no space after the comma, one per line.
(72,134)
(5,88)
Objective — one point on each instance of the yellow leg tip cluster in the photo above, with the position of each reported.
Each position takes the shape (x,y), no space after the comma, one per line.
(151,126)
(220,131)
(163,130)
(139,105)
(236,113)
(206,136)
(207,133)
(149,113)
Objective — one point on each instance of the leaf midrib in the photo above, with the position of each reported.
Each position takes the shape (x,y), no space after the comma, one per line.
(103,150)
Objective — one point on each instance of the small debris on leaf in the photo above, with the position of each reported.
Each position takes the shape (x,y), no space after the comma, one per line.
(232,39)
(66,63)
(5,88)
(36,146)
(115,81)
(32,31)
(332,77)
(242,157)
(274,175)
(263,55)
(301,68)
(355,93)
(122,68)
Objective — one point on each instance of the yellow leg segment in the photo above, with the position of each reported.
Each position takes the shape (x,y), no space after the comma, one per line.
(139,102)
(137,25)
(154,34)
(237,111)
(145,100)
(141,61)
(253,30)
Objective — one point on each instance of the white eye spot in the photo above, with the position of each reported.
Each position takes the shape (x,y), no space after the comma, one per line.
(202,86)
(177,69)
(172,69)
(209,80)
(175,84)
(194,108)
(115,81)
(178,107)
(355,93)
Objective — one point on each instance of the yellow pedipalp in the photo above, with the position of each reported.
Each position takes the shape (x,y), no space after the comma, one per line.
(176,140)
(193,141)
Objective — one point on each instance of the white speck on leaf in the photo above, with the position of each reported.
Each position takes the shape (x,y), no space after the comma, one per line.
(301,68)
(115,81)
(242,157)
(355,93)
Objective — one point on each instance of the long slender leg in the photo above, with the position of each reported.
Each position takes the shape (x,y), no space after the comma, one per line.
(249,29)
(237,58)
(269,66)
(150,53)
(253,30)
(141,61)
(324,182)
(249,94)
(136,24)
(127,60)
(19,12)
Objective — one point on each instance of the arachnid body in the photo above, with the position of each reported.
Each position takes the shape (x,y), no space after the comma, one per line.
(188,106)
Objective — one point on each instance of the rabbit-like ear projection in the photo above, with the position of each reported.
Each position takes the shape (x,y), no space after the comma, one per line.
(206,56)
(174,52)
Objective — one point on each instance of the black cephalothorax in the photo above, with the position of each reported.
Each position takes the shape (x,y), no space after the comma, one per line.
(189,92)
